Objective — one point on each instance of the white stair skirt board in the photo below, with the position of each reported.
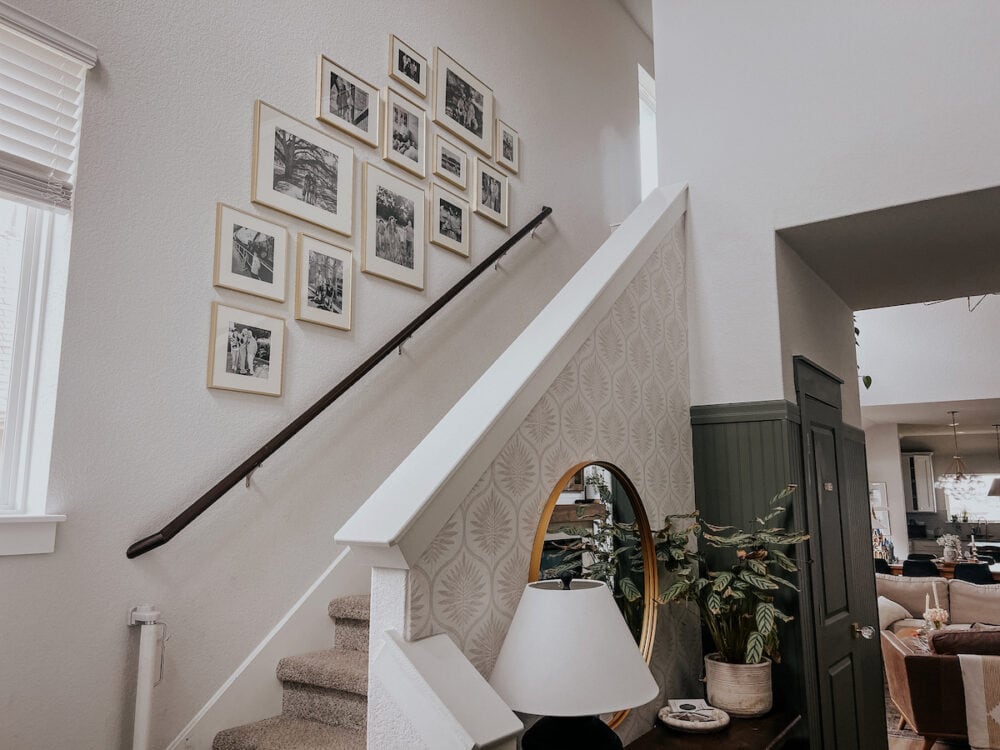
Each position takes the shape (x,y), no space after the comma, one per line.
(252,692)
(449,704)
(397,523)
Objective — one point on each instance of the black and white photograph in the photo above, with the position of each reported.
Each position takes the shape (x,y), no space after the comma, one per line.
(449,221)
(301,171)
(462,103)
(395,216)
(451,162)
(491,193)
(508,147)
(324,288)
(250,254)
(407,66)
(247,351)
(406,134)
(347,102)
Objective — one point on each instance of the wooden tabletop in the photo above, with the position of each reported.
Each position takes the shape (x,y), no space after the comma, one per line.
(764,733)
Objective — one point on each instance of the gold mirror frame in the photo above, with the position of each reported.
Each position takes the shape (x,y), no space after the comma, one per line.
(650,574)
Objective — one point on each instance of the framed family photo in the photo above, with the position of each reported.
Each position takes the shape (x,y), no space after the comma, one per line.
(393,245)
(405,134)
(451,162)
(301,171)
(251,254)
(508,147)
(492,194)
(407,66)
(347,102)
(324,290)
(247,351)
(450,221)
(462,103)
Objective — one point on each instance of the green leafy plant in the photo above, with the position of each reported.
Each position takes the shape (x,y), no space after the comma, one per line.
(736,604)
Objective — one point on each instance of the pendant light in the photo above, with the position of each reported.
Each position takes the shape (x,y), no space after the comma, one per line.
(957,481)
(995,487)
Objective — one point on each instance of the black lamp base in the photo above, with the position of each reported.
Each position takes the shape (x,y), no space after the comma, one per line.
(570,733)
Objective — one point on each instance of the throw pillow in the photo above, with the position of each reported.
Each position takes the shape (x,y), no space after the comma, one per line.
(889,612)
(974,603)
(954,642)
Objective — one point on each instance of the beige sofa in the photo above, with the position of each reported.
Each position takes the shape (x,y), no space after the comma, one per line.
(967,603)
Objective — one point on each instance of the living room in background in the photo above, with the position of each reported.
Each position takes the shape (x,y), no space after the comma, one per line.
(42,75)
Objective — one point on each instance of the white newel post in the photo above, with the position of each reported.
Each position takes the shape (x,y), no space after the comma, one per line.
(145,616)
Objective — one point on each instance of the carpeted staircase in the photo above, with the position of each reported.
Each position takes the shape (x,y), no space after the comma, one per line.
(325,698)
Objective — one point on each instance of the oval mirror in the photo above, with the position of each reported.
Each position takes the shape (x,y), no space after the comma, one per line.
(594,526)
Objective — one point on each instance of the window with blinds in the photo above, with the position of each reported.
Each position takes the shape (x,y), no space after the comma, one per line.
(41,97)
(42,74)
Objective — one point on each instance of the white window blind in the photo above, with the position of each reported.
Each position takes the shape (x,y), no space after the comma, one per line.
(41,97)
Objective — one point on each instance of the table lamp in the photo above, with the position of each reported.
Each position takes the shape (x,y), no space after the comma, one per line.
(569,656)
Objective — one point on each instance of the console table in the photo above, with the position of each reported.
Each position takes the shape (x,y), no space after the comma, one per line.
(771,731)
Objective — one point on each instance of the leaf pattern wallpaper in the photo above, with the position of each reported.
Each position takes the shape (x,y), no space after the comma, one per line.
(623,398)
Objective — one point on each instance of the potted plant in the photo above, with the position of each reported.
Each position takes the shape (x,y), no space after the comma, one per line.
(737,603)
(951,545)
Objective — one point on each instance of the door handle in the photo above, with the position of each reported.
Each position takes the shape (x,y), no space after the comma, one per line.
(857,631)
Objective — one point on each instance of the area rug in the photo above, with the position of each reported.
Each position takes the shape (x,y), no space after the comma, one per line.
(892,721)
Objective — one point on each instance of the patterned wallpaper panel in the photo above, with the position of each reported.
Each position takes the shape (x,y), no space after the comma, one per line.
(623,398)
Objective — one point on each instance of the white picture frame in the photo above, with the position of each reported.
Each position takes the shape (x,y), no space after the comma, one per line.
(878,495)
(407,66)
(356,107)
(462,103)
(246,351)
(394,241)
(251,254)
(319,186)
(451,162)
(450,221)
(324,287)
(508,147)
(405,140)
(492,193)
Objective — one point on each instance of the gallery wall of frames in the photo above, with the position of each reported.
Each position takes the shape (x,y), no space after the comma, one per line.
(307,172)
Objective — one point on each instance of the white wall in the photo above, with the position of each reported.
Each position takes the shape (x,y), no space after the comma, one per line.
(779,113)
(166,134)
(941,352)
(885,465)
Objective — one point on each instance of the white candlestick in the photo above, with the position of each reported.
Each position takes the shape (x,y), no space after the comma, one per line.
(927,602)
(936,602)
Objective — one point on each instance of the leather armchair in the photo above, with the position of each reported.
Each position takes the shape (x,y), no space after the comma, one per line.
(927,690)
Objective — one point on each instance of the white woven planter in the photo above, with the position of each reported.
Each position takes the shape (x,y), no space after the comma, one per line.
(738,689)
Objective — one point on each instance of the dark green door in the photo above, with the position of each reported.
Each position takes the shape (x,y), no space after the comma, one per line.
(848,675)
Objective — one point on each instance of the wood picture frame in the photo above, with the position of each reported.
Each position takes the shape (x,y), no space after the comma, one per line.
(324,286)
(347,102)
(301,171)
(405,139)
(462,103)
(246,351)
(451,162)
(251,254)
(450,221)
(394,228)
(508,147)
(407,66)
(492,195)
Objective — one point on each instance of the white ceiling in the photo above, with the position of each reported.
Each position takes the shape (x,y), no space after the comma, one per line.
(928,424)
(642,13)
(935,249)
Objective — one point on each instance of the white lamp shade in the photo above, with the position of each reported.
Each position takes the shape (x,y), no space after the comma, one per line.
(570,653)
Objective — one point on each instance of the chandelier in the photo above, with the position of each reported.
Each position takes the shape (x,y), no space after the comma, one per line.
(957,482)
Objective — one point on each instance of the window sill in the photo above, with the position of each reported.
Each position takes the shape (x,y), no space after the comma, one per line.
(28,535)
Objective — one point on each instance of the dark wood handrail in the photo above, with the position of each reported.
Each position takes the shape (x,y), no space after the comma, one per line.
(231,479)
